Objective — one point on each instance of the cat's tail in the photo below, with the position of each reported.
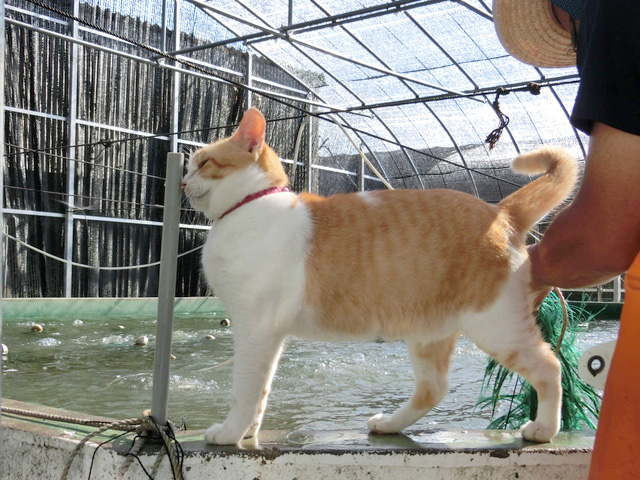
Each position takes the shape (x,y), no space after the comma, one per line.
(529,204)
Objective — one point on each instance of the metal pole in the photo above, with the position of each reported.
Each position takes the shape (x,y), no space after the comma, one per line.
(71,162)
(290,19)
(164,25)
(168,254)
(175,93)
(166,288)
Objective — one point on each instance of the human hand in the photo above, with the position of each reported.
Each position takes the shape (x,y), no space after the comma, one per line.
(539,290)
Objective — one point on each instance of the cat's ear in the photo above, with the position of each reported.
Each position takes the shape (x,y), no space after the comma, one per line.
(250,133)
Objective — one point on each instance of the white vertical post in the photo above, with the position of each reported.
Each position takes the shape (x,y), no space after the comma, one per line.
(249,80)
(617,291)
(361,184)
(166,287)
(72,153)
(311,154)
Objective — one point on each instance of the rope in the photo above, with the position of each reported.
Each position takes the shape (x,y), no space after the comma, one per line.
(565,318)
(145,426)
(56,418)
(114,426)
(92,267)
(146,423)
(112,439)
(138,443)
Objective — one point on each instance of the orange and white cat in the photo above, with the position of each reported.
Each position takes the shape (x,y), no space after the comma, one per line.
(420,265)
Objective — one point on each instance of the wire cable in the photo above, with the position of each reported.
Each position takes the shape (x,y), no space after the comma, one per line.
(87,197)
(93,267)
(149,136)
(27,150)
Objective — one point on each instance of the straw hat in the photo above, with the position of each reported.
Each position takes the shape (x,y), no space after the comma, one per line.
(529,31)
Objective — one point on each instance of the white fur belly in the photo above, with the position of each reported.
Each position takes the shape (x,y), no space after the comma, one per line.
(254,259)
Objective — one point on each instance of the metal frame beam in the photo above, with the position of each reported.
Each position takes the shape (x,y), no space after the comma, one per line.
(165,66)
(290,38)
(544,81)
(328,21)
(96,218)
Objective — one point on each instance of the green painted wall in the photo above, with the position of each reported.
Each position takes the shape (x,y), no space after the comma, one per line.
(21,308)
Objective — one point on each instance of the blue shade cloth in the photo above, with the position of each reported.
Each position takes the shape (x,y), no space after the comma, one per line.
(572,7)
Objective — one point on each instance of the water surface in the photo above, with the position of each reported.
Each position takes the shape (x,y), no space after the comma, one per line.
(91,365)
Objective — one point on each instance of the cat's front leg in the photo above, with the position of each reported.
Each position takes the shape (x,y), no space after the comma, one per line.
(255,360)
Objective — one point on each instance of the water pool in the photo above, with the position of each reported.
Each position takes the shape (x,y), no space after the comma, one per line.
(92,365)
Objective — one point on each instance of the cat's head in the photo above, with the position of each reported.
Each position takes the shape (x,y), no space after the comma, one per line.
(235,166)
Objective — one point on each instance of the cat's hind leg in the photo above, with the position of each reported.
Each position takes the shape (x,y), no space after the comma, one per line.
(255,359)
(431,367)
(515,341)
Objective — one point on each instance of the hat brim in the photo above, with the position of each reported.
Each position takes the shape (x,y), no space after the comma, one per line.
(529,31)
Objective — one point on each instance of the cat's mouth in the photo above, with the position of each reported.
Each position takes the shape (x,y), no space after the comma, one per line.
(194,192)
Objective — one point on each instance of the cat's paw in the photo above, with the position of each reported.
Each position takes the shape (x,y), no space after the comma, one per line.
(537,432)
(382,424)
(220,435)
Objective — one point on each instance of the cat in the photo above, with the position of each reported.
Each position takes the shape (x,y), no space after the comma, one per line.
(423,266)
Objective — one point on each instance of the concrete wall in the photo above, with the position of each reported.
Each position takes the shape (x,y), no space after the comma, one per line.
(39,449)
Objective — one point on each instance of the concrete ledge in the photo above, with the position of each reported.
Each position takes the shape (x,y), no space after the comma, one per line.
(34,448)
(29,308)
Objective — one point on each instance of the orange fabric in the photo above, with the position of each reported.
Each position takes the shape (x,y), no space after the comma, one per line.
(616,454)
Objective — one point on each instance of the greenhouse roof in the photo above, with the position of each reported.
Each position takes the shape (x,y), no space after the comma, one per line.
(408,75)
(415,80)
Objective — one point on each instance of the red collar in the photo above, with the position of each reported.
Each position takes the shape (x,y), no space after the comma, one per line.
(254,196)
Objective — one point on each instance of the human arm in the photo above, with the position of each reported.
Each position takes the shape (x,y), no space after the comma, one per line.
(598,235)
